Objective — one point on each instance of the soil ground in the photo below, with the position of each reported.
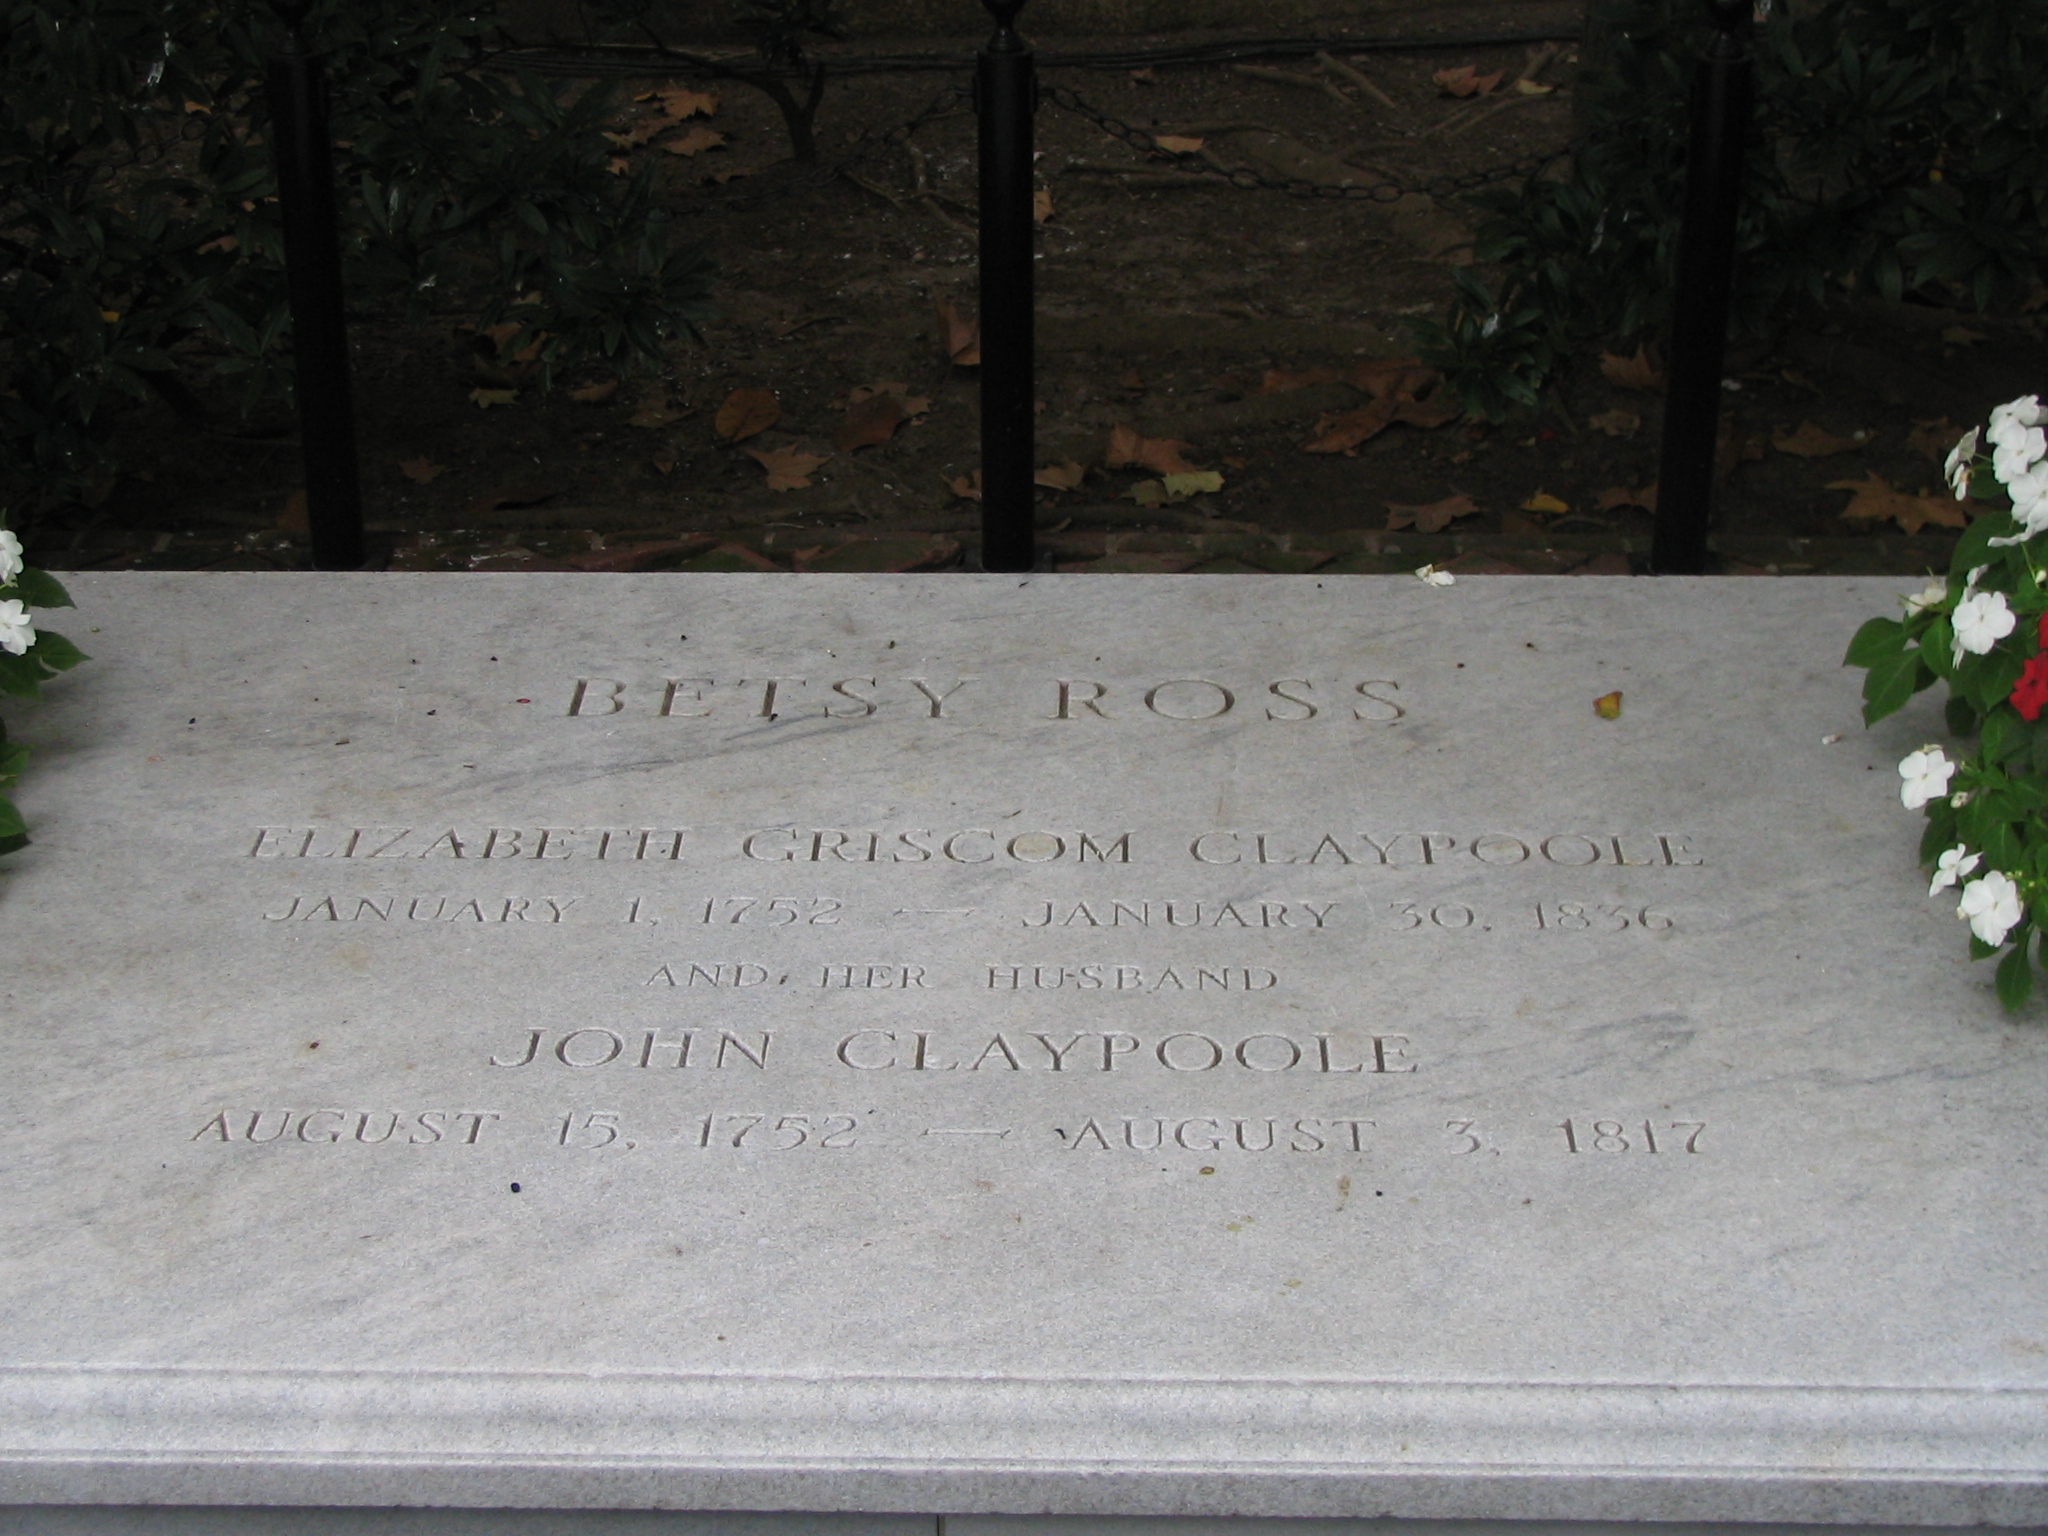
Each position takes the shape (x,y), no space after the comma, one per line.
(1170,302)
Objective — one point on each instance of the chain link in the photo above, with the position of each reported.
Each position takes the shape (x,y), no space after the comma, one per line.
(1249,178)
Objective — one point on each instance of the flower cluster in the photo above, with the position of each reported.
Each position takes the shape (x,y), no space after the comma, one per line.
(1984,632)
(28,656)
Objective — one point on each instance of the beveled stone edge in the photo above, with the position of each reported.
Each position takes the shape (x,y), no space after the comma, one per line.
(623,1439)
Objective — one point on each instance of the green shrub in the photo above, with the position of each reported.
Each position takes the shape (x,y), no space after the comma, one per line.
(1898,145)
(139,234)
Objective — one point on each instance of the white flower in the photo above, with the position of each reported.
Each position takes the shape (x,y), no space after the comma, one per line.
(1957,468)
(1970,581)
(1926,774)
(1992,906)
(1961,798)
(10,557)
(1933,594)
(17,634)
(1982,620)
(1951,867)
(1435,577)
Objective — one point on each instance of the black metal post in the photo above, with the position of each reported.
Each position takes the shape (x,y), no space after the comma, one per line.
(312,259)
(1723,89)
(1005,95)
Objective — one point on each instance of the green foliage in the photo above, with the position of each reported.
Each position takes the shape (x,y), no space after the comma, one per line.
(1493,363)
(1983,632)
(23,672)
(1897,145)
(139,233)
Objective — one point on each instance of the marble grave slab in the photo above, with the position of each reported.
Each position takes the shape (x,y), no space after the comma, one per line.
(1202,1046)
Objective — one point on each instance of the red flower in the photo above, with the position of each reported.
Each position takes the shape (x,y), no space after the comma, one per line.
(2030,693)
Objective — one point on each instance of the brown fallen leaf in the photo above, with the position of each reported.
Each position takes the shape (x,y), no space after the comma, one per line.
(746,412)
(1465,80)
(422,470)
(655,411)
(966,487)
(596,394)
(646,555)
(1162,455)
(1543,501)
(1061,477)
(789,468)
(618,165)
(1616,423)
(1812,442)
(1433,518)
(1344,431)
(959,335)
(1876,501)
(1621,496)
(1638,372)
(1145,76)
(679,102)
(1278,381)
(697,140)
(913,405)
(486,398)
(867,422)
(1608,705)
(293,519)
(638,134)
(1041,206)
(1933,438)
(1397,378)
(1176,144)
(1427,414)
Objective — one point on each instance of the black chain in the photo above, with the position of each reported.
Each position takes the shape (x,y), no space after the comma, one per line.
(1246,176)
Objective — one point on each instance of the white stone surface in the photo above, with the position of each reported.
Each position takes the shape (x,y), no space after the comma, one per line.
(964,1290)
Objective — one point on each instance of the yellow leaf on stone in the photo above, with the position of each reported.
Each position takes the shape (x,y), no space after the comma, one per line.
(1041,206)
(1174,144)
(486,398)
(1148,493)
(1543,501)
(1181,487)
(1608,706)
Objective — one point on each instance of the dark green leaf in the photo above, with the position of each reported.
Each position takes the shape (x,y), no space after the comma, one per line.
(2016,976)
(1891,682)
(39,589)
(55,652)
(11,824)
(1878,641)
(1962,718)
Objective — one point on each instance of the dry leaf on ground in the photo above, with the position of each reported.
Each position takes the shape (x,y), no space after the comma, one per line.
(1278,381)
(1608,705)
(1933,438)
(913,405)
(1532,88)
(746,412)
(1621,496)
(1041,206)
(959,335)
(1433,518)
(422,470)
(1637,372)
(594,394)
(789,469)
(867,422)
(1875,500)
(1060,477)
(486,398)
(1399,378)
(1159,454)
(638,134)
(1543,501)
(731,173)
(695,141)
(679,102)
(294,518)
(1465,80)
(1175,144)
(1344,431)
(1812,442)
(655,411)
(1616,423)
(1169,489)
(966,487)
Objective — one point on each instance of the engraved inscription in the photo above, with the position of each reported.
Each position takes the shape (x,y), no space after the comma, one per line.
(1136,913)
(332,1127)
